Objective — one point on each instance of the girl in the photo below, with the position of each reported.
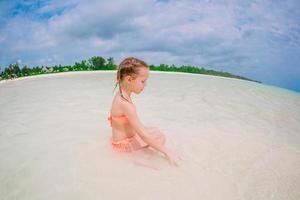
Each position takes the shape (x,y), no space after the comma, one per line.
(128,132)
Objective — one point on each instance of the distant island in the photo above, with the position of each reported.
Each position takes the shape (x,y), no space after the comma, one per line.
(96,63)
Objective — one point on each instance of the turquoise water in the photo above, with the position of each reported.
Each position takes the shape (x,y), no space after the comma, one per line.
(238,139)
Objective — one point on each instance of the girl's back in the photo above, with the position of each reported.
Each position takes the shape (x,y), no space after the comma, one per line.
(121,129)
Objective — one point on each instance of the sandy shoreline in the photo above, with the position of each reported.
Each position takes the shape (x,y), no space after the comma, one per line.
(239,139)
(109,72)
(151,72)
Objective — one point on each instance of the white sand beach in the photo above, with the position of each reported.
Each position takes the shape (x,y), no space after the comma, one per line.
(239,140)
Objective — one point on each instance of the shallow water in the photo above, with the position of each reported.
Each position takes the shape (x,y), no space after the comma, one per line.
(238,139)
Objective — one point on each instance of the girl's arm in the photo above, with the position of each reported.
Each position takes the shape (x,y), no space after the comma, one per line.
(134,121)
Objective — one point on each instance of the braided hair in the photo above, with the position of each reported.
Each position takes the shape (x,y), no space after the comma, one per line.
(129,66)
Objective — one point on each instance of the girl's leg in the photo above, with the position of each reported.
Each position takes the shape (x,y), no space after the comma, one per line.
(157,134)
(138,143)
(145,159)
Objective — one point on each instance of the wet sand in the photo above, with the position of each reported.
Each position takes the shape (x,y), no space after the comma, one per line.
(238,139)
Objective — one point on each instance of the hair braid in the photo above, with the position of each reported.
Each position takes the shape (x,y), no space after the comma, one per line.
(129,66)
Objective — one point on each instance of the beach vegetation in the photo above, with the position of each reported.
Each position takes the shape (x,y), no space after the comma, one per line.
(96,63)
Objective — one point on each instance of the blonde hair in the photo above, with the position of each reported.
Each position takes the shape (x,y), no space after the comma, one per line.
(129,66)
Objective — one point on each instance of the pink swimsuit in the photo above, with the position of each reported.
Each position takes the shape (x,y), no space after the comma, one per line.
(125,145)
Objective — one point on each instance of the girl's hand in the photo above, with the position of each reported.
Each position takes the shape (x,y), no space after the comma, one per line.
(173,157)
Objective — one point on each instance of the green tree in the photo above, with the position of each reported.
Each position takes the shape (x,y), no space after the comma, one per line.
(13,70)
(25,71)
(110,63)
(97,62)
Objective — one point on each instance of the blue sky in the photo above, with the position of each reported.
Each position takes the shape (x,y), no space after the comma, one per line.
(256,39)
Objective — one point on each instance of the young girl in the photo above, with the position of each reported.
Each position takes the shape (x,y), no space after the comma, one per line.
(128,132)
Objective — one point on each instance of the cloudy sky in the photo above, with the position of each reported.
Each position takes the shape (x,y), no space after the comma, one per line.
(256,39)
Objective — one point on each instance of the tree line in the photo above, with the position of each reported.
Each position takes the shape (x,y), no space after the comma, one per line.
(99,63)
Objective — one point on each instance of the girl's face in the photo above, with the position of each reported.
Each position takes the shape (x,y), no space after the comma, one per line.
(140,82)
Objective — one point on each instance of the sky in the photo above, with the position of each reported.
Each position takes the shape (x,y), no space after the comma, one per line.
(256,39)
